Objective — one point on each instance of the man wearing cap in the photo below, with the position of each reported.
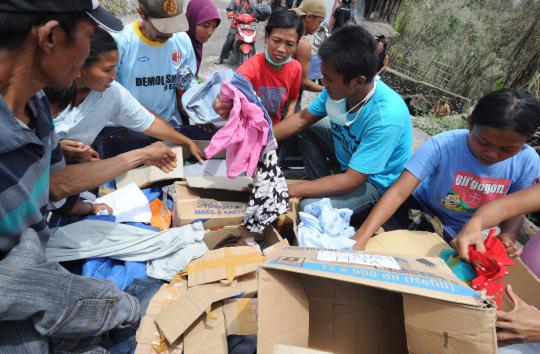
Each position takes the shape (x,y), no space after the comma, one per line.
(153,51)
(43,307)
(313,13)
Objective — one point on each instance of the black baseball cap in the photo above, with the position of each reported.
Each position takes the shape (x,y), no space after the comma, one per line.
(97,13)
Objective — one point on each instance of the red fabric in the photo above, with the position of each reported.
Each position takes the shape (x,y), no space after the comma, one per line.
(274,87)
(490,268)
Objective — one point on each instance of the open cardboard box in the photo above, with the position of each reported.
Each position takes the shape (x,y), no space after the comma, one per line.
(354,302)
(219,201)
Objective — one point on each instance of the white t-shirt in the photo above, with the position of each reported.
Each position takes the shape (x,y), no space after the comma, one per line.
(115,105)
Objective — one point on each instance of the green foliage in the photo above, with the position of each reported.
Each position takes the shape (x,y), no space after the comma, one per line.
(468,46)
(433,125)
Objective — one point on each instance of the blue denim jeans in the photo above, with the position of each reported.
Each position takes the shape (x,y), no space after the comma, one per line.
(318,153)
(44,308)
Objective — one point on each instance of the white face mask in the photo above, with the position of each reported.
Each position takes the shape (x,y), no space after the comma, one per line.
(337,110)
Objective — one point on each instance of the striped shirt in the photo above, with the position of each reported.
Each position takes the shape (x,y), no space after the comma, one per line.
(26,158)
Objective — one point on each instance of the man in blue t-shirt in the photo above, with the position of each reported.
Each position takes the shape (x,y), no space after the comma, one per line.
(367,129)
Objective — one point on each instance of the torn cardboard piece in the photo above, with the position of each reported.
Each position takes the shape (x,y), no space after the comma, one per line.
(208,334)
(354,302)
(239,184)
(149,338)
(146,175)
(240,316)
(223,264)
(176,318)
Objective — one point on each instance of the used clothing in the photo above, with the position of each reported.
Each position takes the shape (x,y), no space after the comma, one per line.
(244,136)
(199,99)
(246,88)
(114,105)
(490,268)
(118,272)
(379,141)
(45,308)
(454,183)
(148,69)
(198,12)
(270,196)
(169,252)
(274,87)
(322,226)
(27,156)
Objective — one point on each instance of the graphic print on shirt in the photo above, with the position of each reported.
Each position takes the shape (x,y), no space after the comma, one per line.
(469,192)
(167,81)
(271,98)
(345,137)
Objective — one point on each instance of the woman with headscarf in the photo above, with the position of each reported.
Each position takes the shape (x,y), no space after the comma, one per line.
(203,19)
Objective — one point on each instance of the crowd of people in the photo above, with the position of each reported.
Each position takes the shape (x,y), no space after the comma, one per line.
(72,77)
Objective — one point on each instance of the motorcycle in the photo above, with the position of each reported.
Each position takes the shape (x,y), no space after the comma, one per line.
(246,35)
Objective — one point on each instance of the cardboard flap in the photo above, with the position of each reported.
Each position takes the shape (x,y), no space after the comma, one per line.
(176,318)
(240,316)
(223,264)
(440,327)
(524,283)
(146,175)
(274,287)
(239,184)
(407,243)
(207,335)
(426,276)
(149,339)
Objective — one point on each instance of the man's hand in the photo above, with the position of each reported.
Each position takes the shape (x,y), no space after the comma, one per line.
(520,324)
(222,108)
(159,155)
(96,208)
(512,248)
(360,245)
(77,151)
(196,151)
(470,235)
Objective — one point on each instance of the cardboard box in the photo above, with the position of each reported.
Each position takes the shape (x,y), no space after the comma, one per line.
(354,302)
(205,199)
(207,335)
(146,175)
(180,315)
(240,316)
(149,338)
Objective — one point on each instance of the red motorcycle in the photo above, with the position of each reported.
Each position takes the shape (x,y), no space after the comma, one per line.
(246,35)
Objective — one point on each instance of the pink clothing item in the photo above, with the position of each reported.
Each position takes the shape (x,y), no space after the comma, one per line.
(244,136)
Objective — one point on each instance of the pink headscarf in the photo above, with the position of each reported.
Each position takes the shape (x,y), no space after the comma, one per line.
(200,11)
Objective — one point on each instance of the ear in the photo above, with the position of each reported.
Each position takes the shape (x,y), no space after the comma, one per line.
(359,80)
(48,36)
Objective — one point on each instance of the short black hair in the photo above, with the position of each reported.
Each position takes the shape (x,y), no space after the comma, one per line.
(284,19)
(508,109)
(352,51)
(14,27)
(100,42)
